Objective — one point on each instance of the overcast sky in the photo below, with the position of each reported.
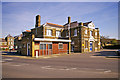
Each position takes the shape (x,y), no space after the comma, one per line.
(20,16)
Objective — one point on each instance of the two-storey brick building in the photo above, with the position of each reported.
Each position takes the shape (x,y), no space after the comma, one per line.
(85,37)
(52,38)
(3,44)
(43,40)
(10,41)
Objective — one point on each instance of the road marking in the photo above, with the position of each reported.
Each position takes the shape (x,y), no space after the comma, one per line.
(107,71)
(15,65)
(8,59)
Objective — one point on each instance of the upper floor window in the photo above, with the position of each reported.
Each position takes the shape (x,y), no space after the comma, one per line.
(95,33)
(49,32)
(67,34)
(11,39)
(91,32)
(86,31)
(58,34)
(75,32)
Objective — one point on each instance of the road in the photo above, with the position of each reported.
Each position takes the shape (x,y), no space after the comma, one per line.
(77,65)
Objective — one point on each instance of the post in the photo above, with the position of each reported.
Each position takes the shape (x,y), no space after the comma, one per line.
(33,43)
(69,21)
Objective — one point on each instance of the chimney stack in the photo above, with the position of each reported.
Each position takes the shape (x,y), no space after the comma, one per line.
(69,19)
(38,21)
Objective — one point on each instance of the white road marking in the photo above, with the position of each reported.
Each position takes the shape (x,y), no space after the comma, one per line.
(8,59)
(107,71)
(15,65)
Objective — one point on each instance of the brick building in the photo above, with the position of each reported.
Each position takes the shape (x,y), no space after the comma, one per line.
(52,38)
(43,40)
(10,41)
(84,36)
(3,44)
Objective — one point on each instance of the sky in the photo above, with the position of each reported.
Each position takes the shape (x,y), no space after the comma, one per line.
(20,16)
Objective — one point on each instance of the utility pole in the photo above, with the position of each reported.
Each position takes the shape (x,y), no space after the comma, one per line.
(69,21)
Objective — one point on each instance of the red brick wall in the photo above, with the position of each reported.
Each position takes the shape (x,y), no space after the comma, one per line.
(56,50)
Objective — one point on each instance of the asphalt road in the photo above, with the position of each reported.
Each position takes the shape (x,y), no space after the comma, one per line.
(77,65)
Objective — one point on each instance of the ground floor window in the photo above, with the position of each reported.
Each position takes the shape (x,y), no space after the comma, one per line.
(60,46)
(50,46)
(42,46)
(96,44)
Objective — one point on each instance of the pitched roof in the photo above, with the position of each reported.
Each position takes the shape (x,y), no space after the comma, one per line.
(72,24)
(54,25)
(2,40)
(9,35)
(28,30)
(86,23)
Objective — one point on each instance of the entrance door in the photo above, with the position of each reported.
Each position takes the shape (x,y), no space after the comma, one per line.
(91,45)
(28,49)
(72,48)
(49,49)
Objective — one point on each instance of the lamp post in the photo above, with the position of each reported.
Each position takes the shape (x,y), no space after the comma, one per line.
(69,39)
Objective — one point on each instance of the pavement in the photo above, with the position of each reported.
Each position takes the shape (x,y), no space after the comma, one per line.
(75,65)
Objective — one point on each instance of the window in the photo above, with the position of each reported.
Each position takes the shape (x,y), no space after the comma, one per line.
(75,32)
(91,32)
(60,46)
(67,34)
(42,46)
(11,42)
(50,46)
(49,32)
(24,46)
(58,34)
(16,47)
(85,31)
(11,39)
(95,33)
(96,44)
(86,44)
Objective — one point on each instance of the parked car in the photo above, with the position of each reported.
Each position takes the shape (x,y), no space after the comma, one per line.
(118,52)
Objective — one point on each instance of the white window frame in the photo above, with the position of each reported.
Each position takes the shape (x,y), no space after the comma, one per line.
(91,32)
(86,31)
(75,32)
(49,32)
(96,33)
(59,45)
(58,34)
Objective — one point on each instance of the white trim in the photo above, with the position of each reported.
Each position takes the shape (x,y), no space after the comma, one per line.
(55,40)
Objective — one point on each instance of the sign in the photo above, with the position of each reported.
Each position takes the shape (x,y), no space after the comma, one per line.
(82,44)
(36,47)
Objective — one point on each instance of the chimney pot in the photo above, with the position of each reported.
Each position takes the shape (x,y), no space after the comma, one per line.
(69,19)
(38,21)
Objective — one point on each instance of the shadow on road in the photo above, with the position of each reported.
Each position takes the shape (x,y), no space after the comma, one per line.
(110,54)
(10,53)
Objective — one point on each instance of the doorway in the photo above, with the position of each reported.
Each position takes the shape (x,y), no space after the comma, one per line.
(91,46)
(28,49)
